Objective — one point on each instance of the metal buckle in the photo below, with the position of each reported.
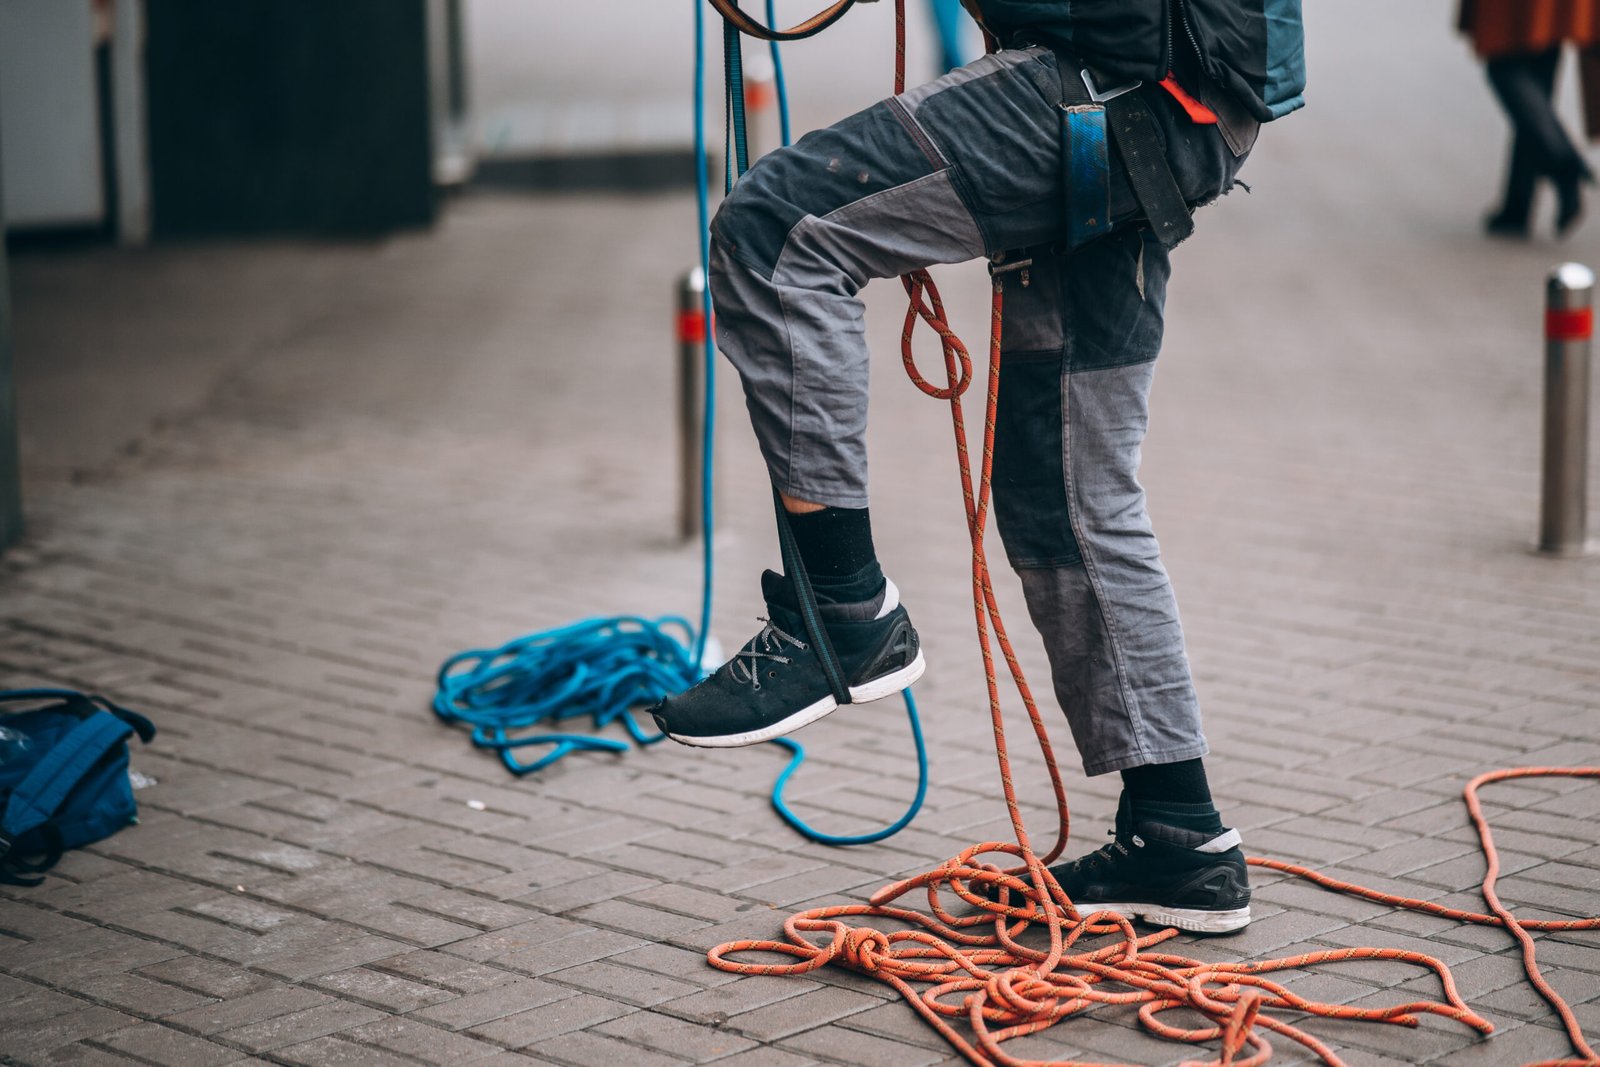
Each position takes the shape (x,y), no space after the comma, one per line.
(999,266)
(1110,94)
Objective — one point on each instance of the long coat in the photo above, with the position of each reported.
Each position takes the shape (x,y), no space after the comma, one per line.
(1510,27)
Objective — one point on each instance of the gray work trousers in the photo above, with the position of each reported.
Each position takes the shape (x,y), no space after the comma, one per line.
(967,166)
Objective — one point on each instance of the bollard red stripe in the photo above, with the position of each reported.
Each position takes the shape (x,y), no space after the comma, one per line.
(760,95)
(691,327)
(1564,325)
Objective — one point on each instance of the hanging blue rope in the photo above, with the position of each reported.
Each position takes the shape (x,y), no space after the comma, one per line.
(517,696)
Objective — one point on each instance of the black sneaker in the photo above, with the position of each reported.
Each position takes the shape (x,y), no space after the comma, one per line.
(1164,875)
(775,684)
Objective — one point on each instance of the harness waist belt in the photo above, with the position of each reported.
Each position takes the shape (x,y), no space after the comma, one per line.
(1087,115)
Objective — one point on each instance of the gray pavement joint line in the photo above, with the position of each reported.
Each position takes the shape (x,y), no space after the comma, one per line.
(231,892)
(111,1050)
(181,665)
(220,1038)
(206,591)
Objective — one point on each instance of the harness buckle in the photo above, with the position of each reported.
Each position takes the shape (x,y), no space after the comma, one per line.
(999,266)
(1100,97)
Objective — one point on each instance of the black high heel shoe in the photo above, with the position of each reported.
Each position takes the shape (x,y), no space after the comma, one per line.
(1507,223)
(1569,200)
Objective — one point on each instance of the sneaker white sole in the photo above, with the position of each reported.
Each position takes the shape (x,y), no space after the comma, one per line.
(876,689)
(1191,920)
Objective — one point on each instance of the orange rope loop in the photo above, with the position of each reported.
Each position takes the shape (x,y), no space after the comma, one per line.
(1021,965)
(751,27)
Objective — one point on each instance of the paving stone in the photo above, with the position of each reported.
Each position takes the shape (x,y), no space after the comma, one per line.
(334,1051)
(528,1029)
(640,988)
(859,1048)
(516,939)
(156,1043)
(82,1054)
(446,972)
(641,920)
(248,1010)
(684,964)
(585,946)
(808,1010)
(299,1026)
(766,1057)
(748,993)
(136,995)
(42,1036)
(590,1049)
(207,977)
(427,1043)
(386,992)
(308,961)
(490,1004)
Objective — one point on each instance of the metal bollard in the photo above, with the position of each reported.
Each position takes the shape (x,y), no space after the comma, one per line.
(691,330)
(1568,331)
(760,103)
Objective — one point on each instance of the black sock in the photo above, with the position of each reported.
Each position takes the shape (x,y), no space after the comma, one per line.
(833,542)
(855,588)
(1173,792)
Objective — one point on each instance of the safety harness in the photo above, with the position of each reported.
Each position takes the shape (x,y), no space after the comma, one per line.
(1087,113)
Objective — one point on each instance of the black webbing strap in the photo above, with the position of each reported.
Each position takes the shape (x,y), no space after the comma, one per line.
(794,567)
(1133,128)
(1144,160)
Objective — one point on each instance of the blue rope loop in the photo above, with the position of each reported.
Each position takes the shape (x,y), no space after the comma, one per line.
(598,668)
(526,693)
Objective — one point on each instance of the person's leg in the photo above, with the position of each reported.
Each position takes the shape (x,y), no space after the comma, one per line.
(899,186)
(1079,355)
(1525,85)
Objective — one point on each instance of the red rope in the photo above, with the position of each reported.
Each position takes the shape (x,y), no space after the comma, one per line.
(974,967)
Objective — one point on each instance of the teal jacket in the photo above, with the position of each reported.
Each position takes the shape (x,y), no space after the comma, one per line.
(1255,49)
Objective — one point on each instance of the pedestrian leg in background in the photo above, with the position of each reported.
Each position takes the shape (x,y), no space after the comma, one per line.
(1524,85)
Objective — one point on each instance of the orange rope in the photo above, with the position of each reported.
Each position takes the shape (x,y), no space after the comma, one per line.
(975,967)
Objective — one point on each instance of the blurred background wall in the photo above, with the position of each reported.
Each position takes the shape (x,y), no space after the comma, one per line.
(140,118)
(191,117)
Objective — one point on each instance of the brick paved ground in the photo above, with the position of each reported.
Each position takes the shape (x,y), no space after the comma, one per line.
(272,486)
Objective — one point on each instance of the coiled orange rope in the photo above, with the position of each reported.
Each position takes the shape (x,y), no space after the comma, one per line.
(975,967)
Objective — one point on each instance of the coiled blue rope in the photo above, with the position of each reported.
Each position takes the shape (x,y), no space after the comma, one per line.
(602,668)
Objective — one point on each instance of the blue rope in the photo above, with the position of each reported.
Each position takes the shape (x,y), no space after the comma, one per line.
(778,79)
(599,668)
(602,668)
(806,830)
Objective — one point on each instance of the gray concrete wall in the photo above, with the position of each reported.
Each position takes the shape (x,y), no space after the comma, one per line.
(550,77)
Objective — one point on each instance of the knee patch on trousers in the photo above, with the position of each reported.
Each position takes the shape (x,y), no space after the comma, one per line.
(867,153)
(1031,506)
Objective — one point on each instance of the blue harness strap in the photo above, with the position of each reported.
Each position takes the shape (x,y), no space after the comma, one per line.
(36,798)
(1088,172)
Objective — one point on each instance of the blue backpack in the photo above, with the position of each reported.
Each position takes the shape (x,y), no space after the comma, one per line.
(63,776)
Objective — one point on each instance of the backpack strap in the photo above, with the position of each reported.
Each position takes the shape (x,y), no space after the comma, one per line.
(36,798)
(83,705)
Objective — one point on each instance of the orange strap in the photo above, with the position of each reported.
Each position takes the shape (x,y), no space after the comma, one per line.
(1195,109)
